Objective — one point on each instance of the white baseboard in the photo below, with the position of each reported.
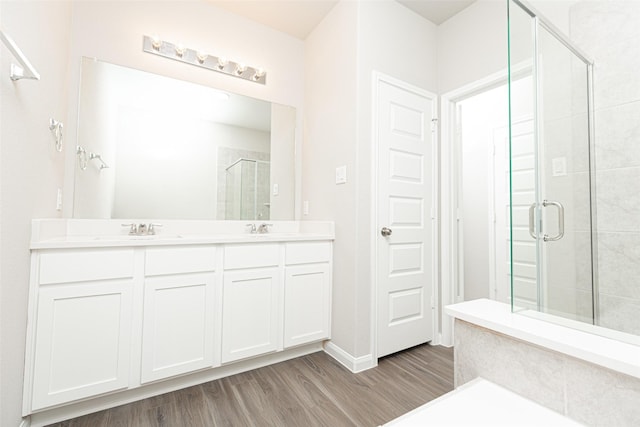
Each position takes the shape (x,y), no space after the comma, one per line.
(442,341)
(354,364)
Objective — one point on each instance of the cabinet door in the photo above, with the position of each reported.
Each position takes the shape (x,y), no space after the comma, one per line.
(250,314)
(83,334)
(307,304)
(178,326)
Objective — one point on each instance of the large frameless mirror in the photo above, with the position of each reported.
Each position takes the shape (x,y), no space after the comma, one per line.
(150,146)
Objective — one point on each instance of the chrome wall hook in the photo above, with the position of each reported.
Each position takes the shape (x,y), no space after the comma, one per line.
(56,129)
(83,157)
(98,157)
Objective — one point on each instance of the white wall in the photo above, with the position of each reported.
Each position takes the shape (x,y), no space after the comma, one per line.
(282,162)
(330,118)
(30,169)
(473,43)
(341,54)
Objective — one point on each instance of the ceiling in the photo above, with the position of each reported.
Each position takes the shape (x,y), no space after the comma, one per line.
(299,17)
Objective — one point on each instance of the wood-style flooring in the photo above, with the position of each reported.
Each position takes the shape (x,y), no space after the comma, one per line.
(312,390)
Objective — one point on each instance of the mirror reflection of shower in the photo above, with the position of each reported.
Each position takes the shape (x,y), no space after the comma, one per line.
(247,190)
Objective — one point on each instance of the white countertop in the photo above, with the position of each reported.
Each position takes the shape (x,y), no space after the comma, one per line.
(609,353)
(78,233)
(159,239)
(482,403)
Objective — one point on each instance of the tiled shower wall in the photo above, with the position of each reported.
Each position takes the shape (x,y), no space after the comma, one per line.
(609,32)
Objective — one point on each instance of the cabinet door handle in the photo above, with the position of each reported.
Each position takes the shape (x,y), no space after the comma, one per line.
(386,232)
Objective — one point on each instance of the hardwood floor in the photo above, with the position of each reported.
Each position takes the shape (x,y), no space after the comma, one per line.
(312,390)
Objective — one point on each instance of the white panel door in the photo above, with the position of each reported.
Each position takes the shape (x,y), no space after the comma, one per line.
(83,341)
(251,315)
(524,249)
(178,327)
(307,300)
(524,291)
(405,191)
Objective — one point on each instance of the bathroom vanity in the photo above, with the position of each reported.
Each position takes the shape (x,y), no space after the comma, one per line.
(114,317)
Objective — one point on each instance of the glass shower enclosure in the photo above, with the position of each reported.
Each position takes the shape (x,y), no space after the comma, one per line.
(247,190)
(552,197)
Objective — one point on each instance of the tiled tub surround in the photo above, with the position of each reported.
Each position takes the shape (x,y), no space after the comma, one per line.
(115,318)
(589,378)
(608,31)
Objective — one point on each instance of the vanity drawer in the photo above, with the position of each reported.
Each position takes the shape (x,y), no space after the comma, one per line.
(251,256)
(186,259)
(307,252)
(85,265)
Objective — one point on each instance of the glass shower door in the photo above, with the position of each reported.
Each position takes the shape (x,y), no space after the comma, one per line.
(560,216)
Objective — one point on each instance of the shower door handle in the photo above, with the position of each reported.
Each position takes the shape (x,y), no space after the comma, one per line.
(532,221)
(560,208)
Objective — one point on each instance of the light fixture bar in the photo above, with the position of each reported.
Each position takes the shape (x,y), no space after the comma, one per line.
(180,53)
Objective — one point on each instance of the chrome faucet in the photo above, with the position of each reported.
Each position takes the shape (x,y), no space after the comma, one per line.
(151,228)
(252,228)
(133,228)
(264,228)
(142,229)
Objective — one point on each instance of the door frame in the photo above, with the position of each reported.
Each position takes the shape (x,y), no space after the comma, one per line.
(451,246)
(377,78)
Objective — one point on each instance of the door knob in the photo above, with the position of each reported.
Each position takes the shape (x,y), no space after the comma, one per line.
(386,232)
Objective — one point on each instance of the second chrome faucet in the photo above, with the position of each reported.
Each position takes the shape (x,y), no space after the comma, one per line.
(261,229)
(142,229)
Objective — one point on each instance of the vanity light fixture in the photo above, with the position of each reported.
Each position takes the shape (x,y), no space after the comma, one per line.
(259,73)
(156,43)
(240,68)
(201,57)
(178,52)
(180,49)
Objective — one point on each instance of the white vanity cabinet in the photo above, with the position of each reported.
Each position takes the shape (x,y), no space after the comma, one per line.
(115,319)
(83,324)
(252,293)
(179,313)
(307,292)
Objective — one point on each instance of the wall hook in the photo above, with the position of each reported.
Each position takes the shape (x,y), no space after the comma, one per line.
(98,157)
(83,157)
(56,129)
